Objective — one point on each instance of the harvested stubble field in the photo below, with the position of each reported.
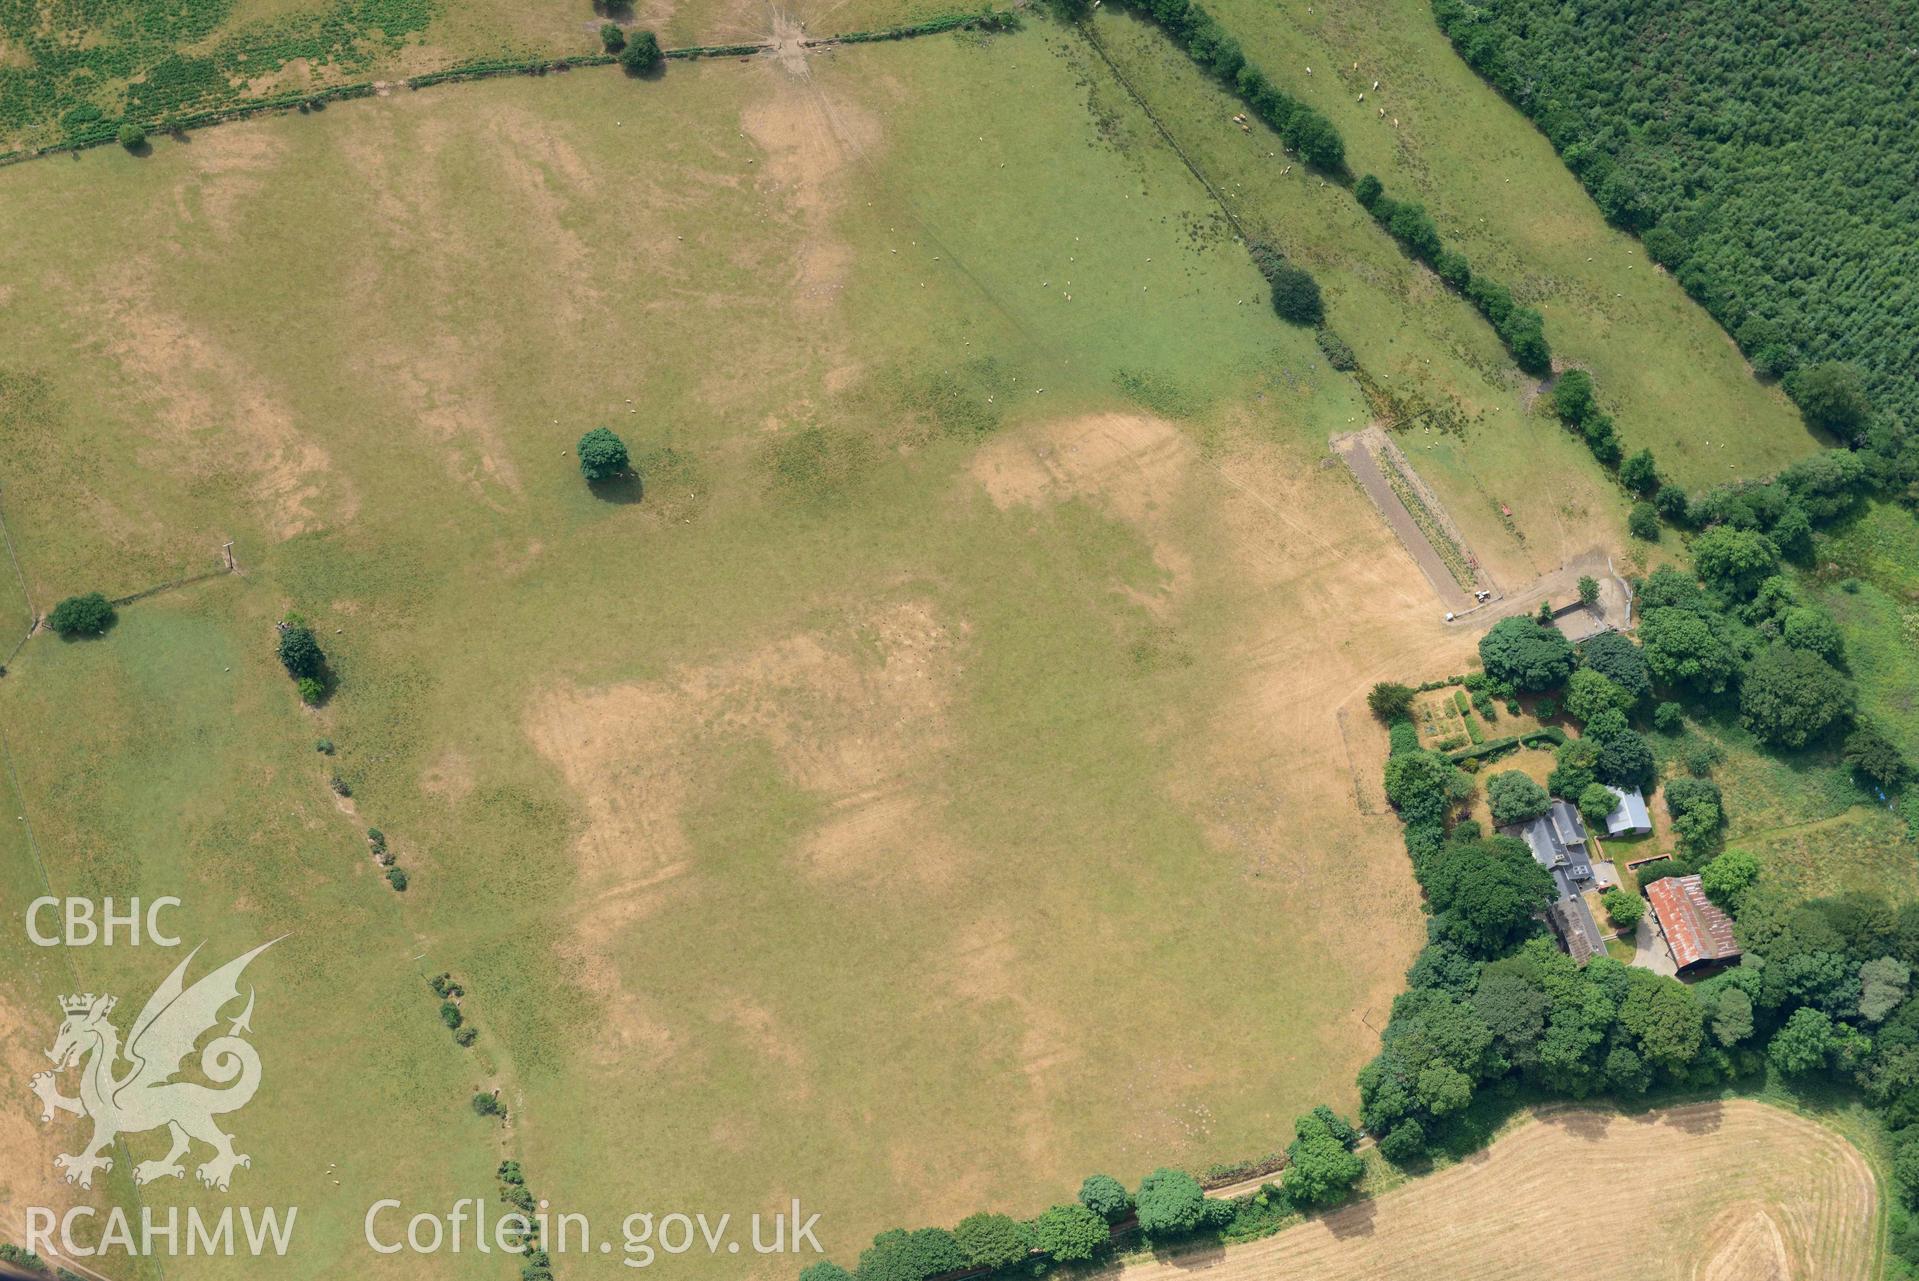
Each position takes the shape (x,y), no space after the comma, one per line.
(1735,1191)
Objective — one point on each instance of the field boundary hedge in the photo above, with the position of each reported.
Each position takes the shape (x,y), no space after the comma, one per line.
(107,131)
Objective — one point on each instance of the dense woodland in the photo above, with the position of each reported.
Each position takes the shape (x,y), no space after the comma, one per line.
(1765,152)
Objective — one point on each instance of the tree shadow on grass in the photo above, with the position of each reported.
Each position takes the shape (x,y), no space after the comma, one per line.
(1356,1219)
(1191,1255)
(77,638)
(624,489)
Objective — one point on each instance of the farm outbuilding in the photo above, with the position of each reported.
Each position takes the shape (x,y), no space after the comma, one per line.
(1698,933)
(1578,932)
(1630,816)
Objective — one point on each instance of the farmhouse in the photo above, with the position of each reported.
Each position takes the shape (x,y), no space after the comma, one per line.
(1557,839)
(1629,817)
(1695,930)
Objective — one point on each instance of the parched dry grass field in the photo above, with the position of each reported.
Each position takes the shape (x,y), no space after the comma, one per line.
(1735,1191)
(945,776)
(949,774)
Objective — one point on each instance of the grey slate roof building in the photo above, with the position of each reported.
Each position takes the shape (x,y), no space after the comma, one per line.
(1558,841)
(1578,933)
(1630,816)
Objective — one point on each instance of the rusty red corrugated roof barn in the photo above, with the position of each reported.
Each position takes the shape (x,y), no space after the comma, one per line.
(1696,930)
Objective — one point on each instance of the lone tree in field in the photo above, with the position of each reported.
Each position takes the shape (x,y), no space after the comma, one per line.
(612,39)
(602,455)
(300,652)
(1296,296)
(641,54)
(132,136)
(87,615)
(1588,590)
(1391,701)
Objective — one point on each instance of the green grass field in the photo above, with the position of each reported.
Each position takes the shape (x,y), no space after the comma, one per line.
(149,769)
(1669,375)
(1869,579)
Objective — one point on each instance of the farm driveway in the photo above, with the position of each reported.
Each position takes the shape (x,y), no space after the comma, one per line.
(1365,468)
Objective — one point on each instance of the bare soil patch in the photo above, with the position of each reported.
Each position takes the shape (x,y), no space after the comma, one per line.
(1132,465)
(217,412)
(810,136)
(1714,1190)
(27,1175)
(856,717)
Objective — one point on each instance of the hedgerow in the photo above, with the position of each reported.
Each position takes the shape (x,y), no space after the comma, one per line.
(1522,329)
(1719,131)
(1302,129)
(1319,1168)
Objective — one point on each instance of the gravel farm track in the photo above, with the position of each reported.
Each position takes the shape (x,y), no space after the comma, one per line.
(1734,1191)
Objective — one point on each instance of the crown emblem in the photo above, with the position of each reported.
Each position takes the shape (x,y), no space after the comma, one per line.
(81,1004)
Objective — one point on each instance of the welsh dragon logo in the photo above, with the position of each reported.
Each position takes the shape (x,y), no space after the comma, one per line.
(144,1095)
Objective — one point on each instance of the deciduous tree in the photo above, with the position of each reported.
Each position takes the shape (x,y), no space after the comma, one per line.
(1791,696)
(1070,1233)
(86,615)
(1169,1203)
(1515,798)
(1526,654)
(602,454)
